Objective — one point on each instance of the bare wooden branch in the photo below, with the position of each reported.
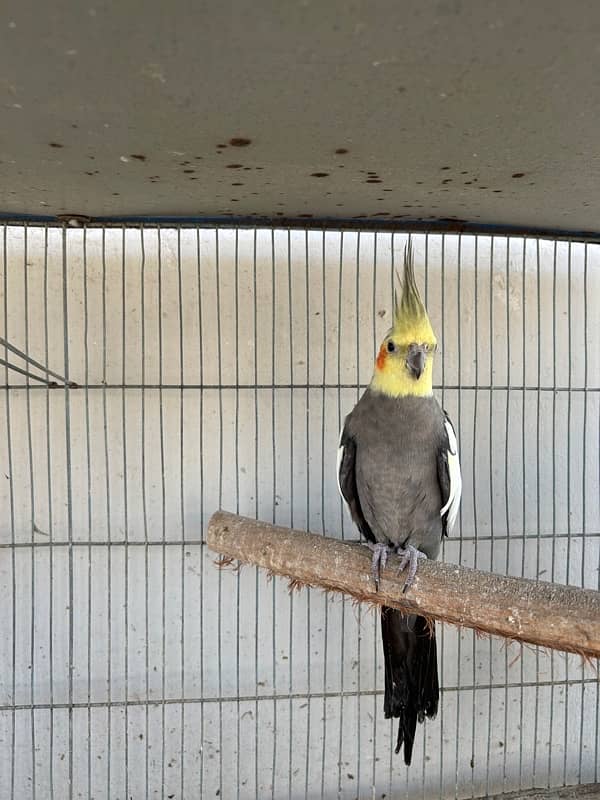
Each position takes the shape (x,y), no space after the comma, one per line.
(547,614)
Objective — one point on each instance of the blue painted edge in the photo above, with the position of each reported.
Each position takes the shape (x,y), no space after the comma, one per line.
(406,225)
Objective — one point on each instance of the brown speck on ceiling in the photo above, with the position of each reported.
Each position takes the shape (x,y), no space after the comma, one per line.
(221,146)
(373,180)
(341,150)
(234,166)
(447,180)
(319,174)
(187,171)
(518,174)
(137,156)
(55,144)
(240,141)
(237,184)
(444,167)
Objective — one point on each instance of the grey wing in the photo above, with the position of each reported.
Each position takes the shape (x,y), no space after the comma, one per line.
(449,477)
(346,463)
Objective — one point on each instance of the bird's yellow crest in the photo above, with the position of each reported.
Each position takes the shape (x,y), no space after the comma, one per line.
(404,365)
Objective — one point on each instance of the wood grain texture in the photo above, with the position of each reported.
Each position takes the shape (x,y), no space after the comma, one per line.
(551,615)
(591,791)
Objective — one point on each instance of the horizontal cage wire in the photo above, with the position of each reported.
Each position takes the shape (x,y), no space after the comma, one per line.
(153,375)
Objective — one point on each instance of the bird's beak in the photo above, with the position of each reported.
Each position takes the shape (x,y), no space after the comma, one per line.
(415,361)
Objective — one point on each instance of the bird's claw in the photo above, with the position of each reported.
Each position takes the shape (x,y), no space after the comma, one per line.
(409,556)
(379,560)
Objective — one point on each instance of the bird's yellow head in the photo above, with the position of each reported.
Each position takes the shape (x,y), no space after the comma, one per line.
(404,364)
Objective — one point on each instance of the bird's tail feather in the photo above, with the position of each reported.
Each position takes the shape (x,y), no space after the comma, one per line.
(411,678)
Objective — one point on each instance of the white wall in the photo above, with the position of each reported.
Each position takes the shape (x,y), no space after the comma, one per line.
(199,389)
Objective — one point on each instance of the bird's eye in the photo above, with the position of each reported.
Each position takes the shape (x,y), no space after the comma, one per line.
(391,347)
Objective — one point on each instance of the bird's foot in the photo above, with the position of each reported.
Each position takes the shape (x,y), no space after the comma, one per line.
(380,557)
(409,556)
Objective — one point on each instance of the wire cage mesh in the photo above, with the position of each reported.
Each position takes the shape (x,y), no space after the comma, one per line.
(155,374)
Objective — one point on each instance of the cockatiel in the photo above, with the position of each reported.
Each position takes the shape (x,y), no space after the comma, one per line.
(399,473)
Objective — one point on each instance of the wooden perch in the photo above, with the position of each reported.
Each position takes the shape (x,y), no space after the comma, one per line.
(546,614)
(591,791)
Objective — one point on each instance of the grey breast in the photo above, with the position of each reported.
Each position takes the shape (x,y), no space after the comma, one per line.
(397,442)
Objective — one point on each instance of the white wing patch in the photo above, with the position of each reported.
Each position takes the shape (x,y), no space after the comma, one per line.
(340,457)
(453,502)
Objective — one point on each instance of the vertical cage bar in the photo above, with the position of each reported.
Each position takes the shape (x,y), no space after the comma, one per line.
(13,566)
(182,488)
(237,508)
(163,517)
(50,534)
(199,283)
(474,489)
(67,396)
(308,515)
(291,478)
(553,563)
(86,370)
(256,508)
(125,499)
(507,422)
(109,550)
(538,492)
(274,515)
(145,513)
(32,650)
(323,530)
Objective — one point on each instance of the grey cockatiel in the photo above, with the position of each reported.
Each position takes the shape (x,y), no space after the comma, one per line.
(399,474)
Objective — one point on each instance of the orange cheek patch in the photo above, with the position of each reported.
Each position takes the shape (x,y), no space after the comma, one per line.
(381,357)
